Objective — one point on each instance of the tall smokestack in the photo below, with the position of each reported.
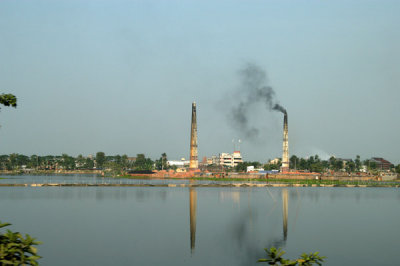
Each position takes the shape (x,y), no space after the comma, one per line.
(285,155)
(194,163)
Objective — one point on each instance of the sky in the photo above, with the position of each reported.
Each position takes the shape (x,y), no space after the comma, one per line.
(120,76)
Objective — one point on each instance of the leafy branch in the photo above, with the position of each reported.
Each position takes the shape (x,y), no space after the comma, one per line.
(275,257)
(17,250)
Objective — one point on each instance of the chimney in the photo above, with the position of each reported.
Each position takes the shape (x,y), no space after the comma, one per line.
(194,163)
(285,155)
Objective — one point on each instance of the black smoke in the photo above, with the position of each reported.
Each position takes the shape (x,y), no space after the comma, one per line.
(253,90)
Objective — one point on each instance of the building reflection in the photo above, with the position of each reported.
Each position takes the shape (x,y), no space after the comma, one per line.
(235,197)
(193,207)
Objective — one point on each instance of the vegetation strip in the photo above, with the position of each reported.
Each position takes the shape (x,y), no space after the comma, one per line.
(196,185)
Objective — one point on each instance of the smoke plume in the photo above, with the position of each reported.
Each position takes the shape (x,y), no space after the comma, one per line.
(253,89)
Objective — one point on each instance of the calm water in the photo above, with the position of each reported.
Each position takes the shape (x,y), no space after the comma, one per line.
(205,226)
(93,179)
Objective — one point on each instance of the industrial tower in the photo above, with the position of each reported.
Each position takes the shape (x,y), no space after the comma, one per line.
(285,155)
(194,163)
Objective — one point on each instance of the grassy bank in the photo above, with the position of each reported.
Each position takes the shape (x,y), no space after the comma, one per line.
(289,182)
(305,181)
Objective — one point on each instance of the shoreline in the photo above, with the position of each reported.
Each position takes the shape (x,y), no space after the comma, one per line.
(231,185)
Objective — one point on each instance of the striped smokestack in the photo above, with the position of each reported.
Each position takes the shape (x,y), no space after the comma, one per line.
(285,155)
(194,163)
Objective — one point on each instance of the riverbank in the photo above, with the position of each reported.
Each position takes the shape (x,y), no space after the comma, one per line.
(52,172)
(245,184)
(307,182)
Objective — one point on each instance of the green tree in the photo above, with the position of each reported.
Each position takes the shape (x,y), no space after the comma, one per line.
(47,162)
(372,165)
(17,250)
(143,163)
(8,100)
(293,162)
(303,164)
(5,162)
(338,165)
(33,161)
(316,167)
(117,159)
(162,163)
(350,166)
(124,161)
(357,163)
(80,161)
(397,169)
(332,163)
(271,166)
(89,164)
(241,167)
(100,159)
(67,162)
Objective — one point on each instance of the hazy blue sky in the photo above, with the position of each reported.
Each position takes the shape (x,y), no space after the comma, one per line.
(120,76)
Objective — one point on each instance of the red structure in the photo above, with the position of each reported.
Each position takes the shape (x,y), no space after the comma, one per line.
(381,164)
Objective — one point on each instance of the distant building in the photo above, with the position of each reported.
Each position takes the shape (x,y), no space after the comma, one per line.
(213,160)
(181,170)
(381,164)
(131,160)
(230,160)
(180,164)
(274,161)
(252,169)
(345,161)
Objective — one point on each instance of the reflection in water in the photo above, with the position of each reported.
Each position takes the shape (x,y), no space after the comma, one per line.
(233,196)
(285,203)
(193,206)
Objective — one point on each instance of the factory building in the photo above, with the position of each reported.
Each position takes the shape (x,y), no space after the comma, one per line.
(230,160)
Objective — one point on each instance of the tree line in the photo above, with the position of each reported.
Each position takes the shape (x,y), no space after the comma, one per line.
(116,163)
(316,164)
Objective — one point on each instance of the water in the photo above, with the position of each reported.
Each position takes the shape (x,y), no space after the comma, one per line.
(205,225)
(94,179)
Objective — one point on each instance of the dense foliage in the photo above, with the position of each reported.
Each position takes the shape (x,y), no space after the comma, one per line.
(17,250)
(315,164)
(8,100)
(275,258)
(120,163)
(242,167)
(162,163)
(115,163)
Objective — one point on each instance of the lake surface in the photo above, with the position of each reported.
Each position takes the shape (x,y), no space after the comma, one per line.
(205,225)
(95,179)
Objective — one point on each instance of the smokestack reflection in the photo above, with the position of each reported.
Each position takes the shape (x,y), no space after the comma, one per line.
(285,204)
(193,207)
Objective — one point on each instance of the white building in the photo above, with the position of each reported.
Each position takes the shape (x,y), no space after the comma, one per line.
(230,160)
(179,163)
